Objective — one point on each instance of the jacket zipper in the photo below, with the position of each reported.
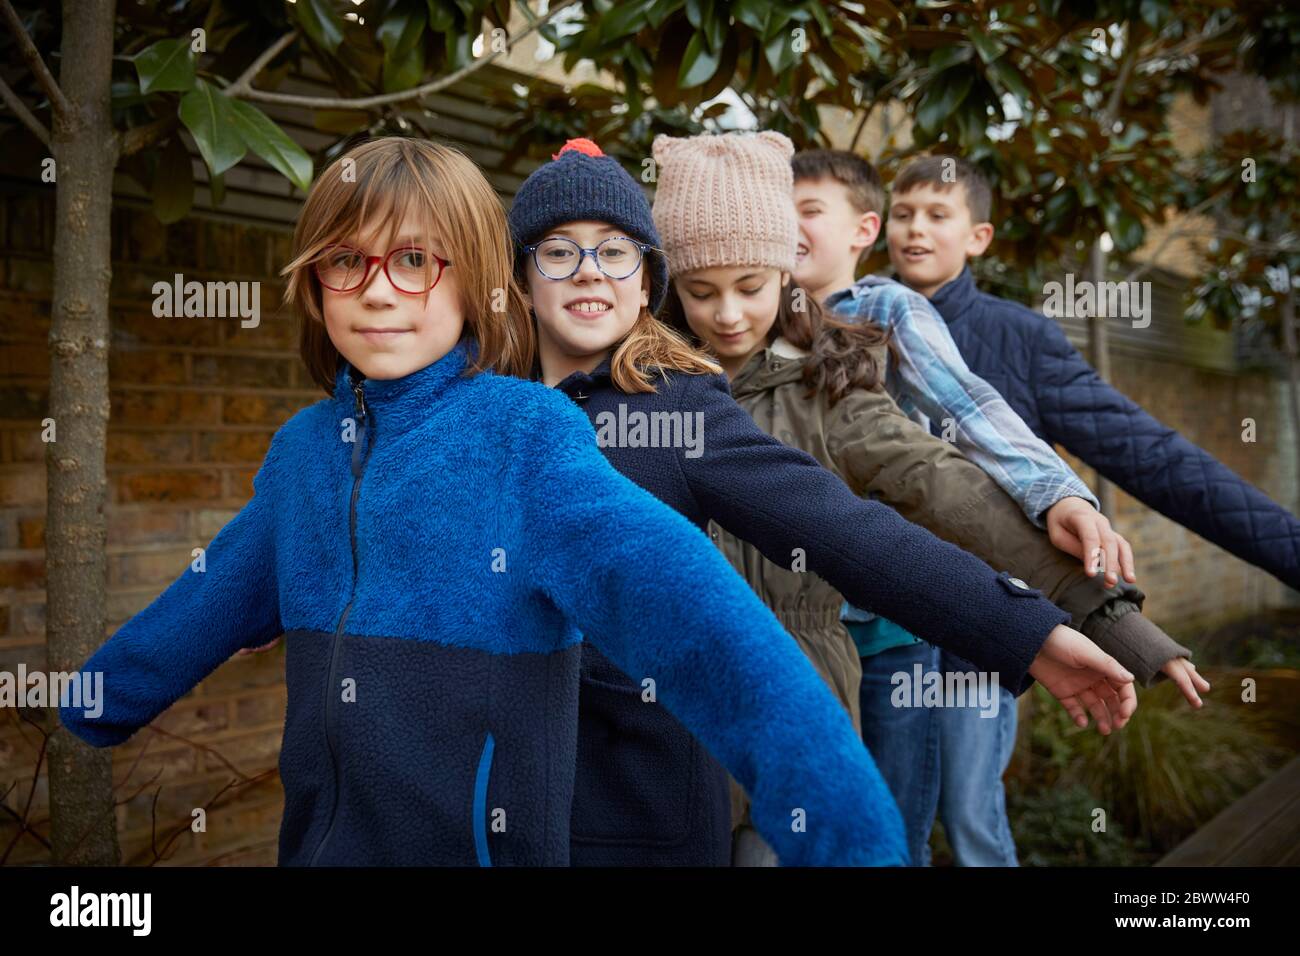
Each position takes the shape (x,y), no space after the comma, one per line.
(359,458)
(481,780)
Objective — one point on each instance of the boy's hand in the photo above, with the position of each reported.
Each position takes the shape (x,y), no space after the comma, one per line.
(1081,675)
(1183,673)
(1078,528)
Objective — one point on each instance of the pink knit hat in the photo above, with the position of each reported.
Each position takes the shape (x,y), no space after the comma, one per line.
(726,200)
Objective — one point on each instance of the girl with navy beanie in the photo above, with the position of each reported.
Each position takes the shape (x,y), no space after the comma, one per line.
(647,792)
(435,537)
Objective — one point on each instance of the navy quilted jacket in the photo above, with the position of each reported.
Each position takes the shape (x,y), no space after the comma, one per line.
(432,578)
(1026,357)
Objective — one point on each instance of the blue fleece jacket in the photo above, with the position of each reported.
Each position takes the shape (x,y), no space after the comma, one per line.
(1026,357)
(646,793)
(432,579)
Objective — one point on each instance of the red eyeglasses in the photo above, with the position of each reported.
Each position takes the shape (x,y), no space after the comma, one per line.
(409,268)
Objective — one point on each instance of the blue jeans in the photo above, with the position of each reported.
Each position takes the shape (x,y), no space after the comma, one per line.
(904,741)
(973,755)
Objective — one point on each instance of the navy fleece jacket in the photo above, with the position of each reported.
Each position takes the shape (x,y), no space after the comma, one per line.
(635,802)
(432,578)
(1026,357)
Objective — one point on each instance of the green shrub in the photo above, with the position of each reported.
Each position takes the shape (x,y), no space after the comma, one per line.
(1164,775)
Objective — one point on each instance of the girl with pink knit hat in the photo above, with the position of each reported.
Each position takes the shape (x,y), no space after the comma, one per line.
(590,257)
(726,216)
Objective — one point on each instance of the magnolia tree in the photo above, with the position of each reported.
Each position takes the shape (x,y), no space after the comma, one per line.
(1066,105)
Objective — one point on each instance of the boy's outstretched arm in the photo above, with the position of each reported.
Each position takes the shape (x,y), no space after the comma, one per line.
(1155,464)
(653,593)
(933,377)
(203,617)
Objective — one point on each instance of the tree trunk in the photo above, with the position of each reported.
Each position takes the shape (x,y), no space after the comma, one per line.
(83,827)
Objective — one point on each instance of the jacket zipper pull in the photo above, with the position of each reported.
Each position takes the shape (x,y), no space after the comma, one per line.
(361,429)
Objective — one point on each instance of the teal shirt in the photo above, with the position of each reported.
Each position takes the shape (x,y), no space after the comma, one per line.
(879,634)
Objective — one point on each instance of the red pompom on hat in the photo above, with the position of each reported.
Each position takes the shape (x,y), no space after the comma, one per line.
(584,146)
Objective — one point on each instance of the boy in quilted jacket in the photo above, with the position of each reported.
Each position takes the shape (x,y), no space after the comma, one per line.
(840,201)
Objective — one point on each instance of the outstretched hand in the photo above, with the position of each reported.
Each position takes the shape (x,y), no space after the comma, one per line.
(1085,679)
(1079,529)
(1183,673)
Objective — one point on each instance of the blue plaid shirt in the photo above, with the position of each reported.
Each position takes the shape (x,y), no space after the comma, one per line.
(930,380)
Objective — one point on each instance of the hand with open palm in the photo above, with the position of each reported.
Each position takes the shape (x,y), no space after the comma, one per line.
(1085,679)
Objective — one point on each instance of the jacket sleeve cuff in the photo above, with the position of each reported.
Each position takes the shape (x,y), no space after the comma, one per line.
(97,735)
(1040,618)
(1042,496)
(1121,631)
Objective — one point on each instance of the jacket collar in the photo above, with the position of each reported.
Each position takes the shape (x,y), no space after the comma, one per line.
(399,403)
(775,365)
(579,385)
(956,297)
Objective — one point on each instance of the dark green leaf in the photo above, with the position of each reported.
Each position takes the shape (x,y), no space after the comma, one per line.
(624,19)
(404,73)
(441,17)
(402,29)
(217,189)
(941,97)
(173,183)
(270,142)
(715,30)
(823,19)
(946,56)
(780,52)
(660,12)
(697,65)
(1010,78)
(211,121)
(167,65)
(752,13)
(988,47)
(320,22)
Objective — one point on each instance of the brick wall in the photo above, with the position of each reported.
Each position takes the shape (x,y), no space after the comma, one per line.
(1190,582)
(194,404)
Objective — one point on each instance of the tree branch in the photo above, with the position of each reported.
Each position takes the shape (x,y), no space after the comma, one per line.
(33,58)
(1111,112)
(138,138)
(19,109)
(244,83)
(387,99)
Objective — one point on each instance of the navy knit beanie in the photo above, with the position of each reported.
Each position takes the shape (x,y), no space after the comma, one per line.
(584,184)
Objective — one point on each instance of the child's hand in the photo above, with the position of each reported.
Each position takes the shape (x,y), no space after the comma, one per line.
(1183,673)
(1078,528)
(1080,674)
(257,650)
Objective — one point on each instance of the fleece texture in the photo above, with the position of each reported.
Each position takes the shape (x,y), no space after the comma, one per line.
(645,794)
(433,579)
(1026,357)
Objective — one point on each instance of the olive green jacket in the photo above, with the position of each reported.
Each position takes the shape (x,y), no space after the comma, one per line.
(881,453)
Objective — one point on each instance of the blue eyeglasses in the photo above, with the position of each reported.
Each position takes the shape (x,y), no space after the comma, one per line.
(616,257)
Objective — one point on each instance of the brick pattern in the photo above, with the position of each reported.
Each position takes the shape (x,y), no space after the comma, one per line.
(194,403)
(1189,582)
